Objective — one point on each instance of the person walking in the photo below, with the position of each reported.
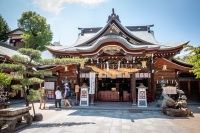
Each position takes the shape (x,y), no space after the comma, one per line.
(58,97)
(67,95)
(43,98)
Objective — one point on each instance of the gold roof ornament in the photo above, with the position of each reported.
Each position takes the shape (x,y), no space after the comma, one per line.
(144,64)
(111,49)
(66,68)
(164,68)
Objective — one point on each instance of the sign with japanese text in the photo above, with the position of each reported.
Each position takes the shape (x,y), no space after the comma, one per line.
(92,83)
(142,97)
(84,99)
(169,90)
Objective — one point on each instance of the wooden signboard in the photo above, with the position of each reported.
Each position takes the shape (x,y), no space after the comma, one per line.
(142,97)
(84,97)
(169,90)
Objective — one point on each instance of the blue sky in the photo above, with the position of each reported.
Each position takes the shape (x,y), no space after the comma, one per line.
(174,20)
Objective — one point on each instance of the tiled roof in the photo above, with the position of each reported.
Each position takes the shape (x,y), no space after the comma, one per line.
(114,38)
(120,39)
(145,35)
(166,46)
(83,38)
(7,50)
(91,38)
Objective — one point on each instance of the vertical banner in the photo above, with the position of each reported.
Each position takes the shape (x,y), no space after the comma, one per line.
(92,82)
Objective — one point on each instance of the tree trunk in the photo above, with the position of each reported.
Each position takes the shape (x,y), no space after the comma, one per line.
(25,96)
(33,108)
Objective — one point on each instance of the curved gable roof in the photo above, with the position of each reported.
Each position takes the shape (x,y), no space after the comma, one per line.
(132,37)
(86,39)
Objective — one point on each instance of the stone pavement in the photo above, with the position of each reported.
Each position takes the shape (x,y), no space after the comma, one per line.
(105,121)
(112,118)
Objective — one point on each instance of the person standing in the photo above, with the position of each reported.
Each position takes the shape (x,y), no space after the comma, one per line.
(58,97)
(77,91)
(43,98)
(67,95)
(121,94)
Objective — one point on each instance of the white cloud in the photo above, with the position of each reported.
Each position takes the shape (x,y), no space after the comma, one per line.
(56,6)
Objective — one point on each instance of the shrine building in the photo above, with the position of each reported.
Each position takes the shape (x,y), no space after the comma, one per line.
(124,57)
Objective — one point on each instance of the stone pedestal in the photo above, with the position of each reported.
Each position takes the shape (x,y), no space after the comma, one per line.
(11,116)
(38,117)
(4,105)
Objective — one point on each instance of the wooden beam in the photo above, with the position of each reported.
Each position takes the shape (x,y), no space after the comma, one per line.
(78,75)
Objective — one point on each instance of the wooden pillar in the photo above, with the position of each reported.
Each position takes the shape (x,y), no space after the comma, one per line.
(153,86)
(78,75)
(96,86)
(189,88)
(152,77)
(59,83)
(133,88)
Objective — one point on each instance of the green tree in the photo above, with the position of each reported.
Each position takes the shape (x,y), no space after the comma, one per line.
(26,65)
(4,83)
(23,64)
(183,59)
(4,29)
(37,33)
(194,59)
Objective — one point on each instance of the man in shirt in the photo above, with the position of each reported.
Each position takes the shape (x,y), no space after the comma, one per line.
(58,97)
